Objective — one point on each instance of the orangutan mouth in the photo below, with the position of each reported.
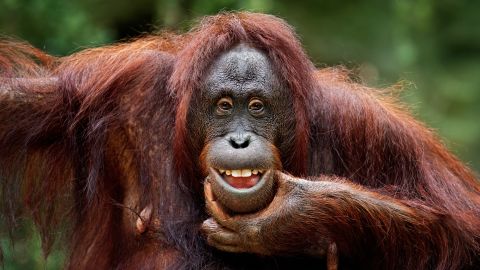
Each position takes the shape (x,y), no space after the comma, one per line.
(241,178)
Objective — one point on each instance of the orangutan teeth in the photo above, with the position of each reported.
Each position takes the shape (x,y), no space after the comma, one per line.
(241,172)
(246,173)
(237,173)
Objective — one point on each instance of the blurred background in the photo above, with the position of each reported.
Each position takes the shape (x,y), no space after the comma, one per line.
(433,45)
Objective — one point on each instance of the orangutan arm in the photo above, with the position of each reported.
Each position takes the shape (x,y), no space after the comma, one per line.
(309,216)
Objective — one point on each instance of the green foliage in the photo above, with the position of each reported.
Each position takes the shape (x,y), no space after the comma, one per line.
(26,253)
(434,44)
(59,27)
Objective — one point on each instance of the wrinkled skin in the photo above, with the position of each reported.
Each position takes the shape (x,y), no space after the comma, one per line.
(243,117)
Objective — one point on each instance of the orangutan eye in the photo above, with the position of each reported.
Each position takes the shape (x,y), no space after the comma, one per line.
(224,105)
(255,106)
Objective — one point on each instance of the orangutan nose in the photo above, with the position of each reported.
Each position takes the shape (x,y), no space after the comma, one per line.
(240,140)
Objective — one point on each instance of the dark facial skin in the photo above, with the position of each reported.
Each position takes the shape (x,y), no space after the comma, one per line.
(243,112)
(237,135)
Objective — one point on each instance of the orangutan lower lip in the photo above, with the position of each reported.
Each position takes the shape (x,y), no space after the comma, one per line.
(241,178)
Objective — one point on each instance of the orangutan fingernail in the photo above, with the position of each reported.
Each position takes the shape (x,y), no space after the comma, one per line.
(144,219)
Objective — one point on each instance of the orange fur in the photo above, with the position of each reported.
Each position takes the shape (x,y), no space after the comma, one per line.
(58,117)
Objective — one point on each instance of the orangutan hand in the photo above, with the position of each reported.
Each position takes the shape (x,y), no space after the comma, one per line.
(277,229)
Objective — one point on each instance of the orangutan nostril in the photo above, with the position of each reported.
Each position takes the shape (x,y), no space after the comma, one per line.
(240,141)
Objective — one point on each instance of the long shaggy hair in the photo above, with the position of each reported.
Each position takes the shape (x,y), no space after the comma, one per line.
(90,139)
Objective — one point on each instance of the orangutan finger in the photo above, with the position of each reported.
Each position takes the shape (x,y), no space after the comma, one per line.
(144,219)
(225,247)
